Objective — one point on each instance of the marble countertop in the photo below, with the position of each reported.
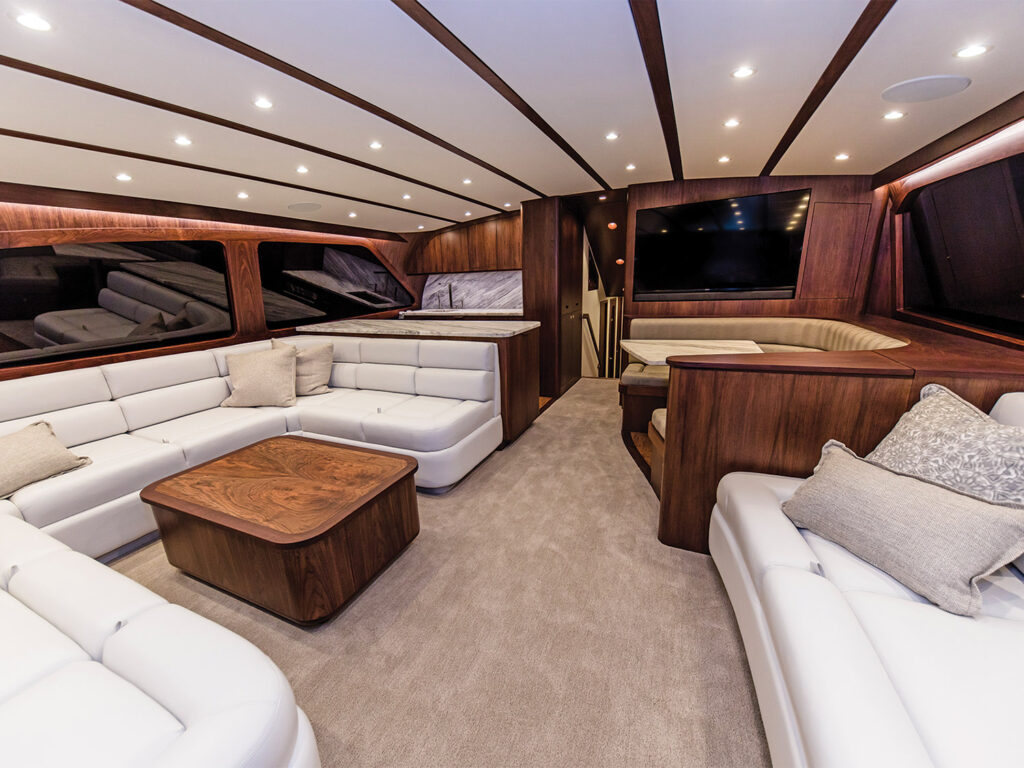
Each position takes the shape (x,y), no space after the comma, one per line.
(657,351)
(475,328)
(442,313)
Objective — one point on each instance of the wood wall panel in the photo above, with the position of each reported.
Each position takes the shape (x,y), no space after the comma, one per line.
(834,266)
(486,245)
(540,283)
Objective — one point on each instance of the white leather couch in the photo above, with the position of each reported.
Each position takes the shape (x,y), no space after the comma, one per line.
(437,401)
(96,670)
(851,668)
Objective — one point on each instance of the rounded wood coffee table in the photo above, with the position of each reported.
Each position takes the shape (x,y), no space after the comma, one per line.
(295,525)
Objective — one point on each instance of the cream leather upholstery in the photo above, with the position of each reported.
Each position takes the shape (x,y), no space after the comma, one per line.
(658,419)
(438,401)
(851,667)
(96,670)
(772,334)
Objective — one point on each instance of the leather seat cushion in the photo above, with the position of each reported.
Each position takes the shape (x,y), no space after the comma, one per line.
(211,433)
(343,417)
(426,423)
(91,324)
(641,374)
(120,465)
(658,419)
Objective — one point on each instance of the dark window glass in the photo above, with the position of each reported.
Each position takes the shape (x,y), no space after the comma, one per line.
(963,253)
(313,283)
(78,299)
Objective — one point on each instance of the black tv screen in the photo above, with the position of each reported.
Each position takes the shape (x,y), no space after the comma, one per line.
(736,248)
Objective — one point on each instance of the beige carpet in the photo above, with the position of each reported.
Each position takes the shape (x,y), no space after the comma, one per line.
(535,621)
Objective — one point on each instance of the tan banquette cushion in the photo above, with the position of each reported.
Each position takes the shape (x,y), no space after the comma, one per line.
(32,454)
(312,367)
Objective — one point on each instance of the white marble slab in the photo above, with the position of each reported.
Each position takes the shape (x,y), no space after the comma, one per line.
(476,328)
(455,313)
(657,351)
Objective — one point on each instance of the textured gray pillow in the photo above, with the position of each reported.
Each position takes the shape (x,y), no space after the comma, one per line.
(261,378)
(936,541)
(32,454)
(312,367)
(946,440)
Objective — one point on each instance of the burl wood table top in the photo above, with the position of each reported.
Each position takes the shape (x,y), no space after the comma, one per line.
(283,490)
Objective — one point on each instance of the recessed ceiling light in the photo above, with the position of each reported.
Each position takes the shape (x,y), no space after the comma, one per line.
(842,156)
(351,214)
(602,197)
(630,167)
(467,181)
(506,205)
(732,122)
(407,196)
(243,195)
(611,136)
(743,72)
(34,21)
(723,159)
(802,205)
(123,177)
(739,221)
(700,229)
(469,213)
(968,51)
(182,141)
(263,102)
(302,169)
(664,231)
(894,115)
(612,225)
(620,262)
(375,145)
(420,227)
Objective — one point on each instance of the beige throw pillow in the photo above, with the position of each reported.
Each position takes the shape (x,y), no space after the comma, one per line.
(312,367)
(934,540)
(261,378)
(32,454)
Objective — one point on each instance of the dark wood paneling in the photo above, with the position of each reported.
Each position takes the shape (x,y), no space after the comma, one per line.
(216,36)
(92,85)
(648,30)
(823,257)
(462,52)
(540,284)
(480,246)
(1010,111)
(865,26)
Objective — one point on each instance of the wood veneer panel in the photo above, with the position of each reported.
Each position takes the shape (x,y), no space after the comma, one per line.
(540,284)
(489,244)
(834,241)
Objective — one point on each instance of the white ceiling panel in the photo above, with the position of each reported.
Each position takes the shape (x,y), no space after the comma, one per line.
(788,42)
(917,38)
(29,162)
(371,48)
(579,64)
(118,45)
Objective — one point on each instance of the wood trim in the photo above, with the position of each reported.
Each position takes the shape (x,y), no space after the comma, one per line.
(100,201)
(867,23)
(189,24)
(652,44)
(1010,111)
(461,51)
(209,169)
(120,93)
(861,363)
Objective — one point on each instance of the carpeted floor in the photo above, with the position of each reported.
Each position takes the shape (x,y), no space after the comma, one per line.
(535,621)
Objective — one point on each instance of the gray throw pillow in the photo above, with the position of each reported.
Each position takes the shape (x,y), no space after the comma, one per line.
(261,378)
(312,367)
(946,440)
(936,541)
(33,454)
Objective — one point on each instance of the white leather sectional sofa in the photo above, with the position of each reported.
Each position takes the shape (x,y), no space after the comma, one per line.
(96,670)
(853,669)
(437,401)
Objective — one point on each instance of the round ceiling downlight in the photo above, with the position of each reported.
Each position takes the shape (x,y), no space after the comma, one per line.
(33,21)
(925,88)
(304,207)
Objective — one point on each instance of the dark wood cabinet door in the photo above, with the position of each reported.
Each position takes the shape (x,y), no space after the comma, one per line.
(570,350)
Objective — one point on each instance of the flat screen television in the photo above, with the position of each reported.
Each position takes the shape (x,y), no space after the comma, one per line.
(735,248)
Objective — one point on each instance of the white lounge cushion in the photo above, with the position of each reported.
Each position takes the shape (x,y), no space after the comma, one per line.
(165,403)
(291,413)
(461,385)
(102,529)
(211,433)
(426,423)
(344,417)
(7,508)
(389,351)
(77,425)
(158,372)
(120,465)
(84,715)
(386,378)
(20,544)
(33,395)
(466,355)
(851,574)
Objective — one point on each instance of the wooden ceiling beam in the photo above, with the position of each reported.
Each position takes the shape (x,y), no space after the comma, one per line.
(652,44)
(867,23)
(189,24)
(462,52)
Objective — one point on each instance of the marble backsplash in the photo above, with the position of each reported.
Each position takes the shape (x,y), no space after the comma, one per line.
(474,290)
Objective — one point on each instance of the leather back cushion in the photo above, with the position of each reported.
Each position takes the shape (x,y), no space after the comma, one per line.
(386,378)
(158,405)
(74,426)
(459,384)
(389,351)
(1009,409)
(468,355)
(812,332)
(51,392)
(155,372)
(147,292)
(346,348)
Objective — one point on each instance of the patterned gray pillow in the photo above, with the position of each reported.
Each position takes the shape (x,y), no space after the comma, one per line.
(945,440)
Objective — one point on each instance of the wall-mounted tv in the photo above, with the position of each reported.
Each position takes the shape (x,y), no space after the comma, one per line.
(734,248)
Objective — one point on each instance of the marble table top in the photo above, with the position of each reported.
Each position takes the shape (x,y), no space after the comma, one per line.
(475,328)
(657,351)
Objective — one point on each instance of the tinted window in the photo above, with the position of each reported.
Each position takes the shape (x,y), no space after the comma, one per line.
(312,283)
(78,299)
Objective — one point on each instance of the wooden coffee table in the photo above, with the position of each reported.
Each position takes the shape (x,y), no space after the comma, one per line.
(294,525)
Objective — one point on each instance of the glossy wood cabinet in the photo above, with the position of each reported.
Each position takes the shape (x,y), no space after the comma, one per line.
(483,246)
